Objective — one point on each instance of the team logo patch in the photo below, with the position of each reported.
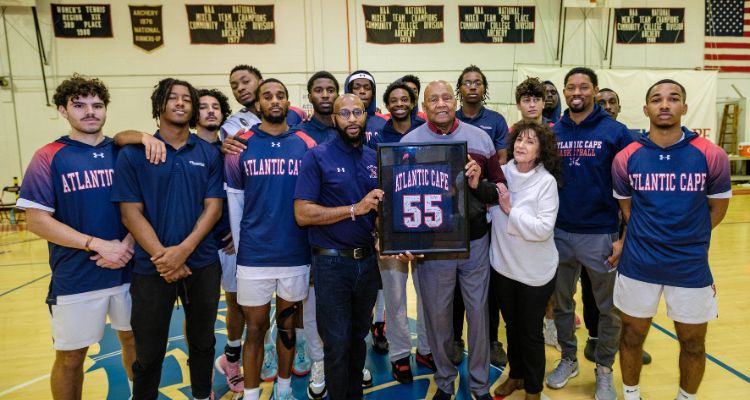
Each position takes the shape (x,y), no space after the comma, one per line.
(197,164)
(373,171)
(243,121)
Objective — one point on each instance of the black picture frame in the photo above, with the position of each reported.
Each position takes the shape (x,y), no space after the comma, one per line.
(424,209)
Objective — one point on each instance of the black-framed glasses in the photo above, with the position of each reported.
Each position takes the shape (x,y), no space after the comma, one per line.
(345,114)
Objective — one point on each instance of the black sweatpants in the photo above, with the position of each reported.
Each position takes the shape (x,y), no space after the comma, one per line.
(153,301)
(523,307)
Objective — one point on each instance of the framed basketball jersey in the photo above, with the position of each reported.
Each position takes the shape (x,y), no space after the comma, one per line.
(424,207)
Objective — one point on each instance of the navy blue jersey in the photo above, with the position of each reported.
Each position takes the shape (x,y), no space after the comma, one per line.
(172,194)
(669,231)
(491,122)
(318,131)
(421,198)
(266,172)
(73,180)
(336,174)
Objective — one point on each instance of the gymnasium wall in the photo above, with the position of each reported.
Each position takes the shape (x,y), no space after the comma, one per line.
(310,35)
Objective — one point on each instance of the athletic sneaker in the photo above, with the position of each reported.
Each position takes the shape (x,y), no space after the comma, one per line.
(379,341)
(366,378)
(457,356)
(316,388)
(232,372)
(270,368)
(498,357)
(590,350)
(565,370)
(485,396)
(285,395)
(301,365)
(550,333)
(578,321)
(441,395)
(605,387)
(426,360)
(401,370)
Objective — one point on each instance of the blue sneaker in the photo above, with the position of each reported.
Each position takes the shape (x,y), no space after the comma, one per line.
(302,364)
(286,395)
(270,368)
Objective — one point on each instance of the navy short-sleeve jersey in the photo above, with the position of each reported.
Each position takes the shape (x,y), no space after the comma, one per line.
(266,174)
(336,174)
(72,180)
(172,194)
(491,122)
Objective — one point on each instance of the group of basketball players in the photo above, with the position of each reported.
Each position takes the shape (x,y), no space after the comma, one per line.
(269,201)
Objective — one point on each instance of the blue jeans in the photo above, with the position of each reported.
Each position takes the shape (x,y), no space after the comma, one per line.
(345,291)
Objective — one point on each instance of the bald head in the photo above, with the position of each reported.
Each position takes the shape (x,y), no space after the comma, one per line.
(346,100)
(350,117)
(440,105)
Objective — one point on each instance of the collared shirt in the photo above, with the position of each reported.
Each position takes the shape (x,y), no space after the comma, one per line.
(491,122)
(221,229)
(172,194)
(320,132)
(336,174)
(72,180)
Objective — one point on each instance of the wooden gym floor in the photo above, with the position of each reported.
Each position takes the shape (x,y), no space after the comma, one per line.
(26,350)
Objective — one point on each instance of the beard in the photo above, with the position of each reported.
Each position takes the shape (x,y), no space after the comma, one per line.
(213,127)
(274,119)
(352,140)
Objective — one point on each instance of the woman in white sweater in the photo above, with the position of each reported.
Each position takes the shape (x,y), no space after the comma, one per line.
(523,250)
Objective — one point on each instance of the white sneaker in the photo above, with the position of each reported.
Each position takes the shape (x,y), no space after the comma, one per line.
(550,333)
(316,389)
(366,378)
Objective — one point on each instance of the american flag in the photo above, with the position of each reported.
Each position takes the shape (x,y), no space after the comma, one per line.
(727,43)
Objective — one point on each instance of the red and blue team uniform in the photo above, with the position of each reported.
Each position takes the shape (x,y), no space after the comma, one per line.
(73,180)
(669,231)
(267,173)
(491,122)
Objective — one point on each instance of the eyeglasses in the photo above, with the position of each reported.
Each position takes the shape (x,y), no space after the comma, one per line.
(345,114)
(476,83)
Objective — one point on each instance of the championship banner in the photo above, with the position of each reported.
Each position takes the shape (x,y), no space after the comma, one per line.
(404,24)
(147,27)
(496,24)
(631,86)
(82,20)
(231,24)
(650,25)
